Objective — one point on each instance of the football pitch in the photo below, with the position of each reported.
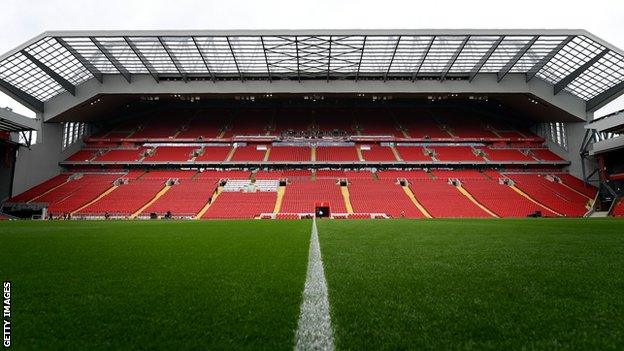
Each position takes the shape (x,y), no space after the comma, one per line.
(392,284)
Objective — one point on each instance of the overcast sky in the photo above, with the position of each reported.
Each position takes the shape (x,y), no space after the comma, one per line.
(24,19)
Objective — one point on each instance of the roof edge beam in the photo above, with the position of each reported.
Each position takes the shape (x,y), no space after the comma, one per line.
(51,73)
(22,96)
(240,73)
(148,66)
(329,59)
(599,99)
(112,59)
(451,62)
(563,83)
(173,59)
(477,68)
(546,59)
(509,65)
(297,53)
(83,61)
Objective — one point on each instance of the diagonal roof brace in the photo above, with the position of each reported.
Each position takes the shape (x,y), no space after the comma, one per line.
(118,66)
(509,65)
(451,62)
(415,74)
(563,83)
(544,61)
(51,73)
(148,66)
(485,58)
(240,73)
(175,61)
(396,46)
(83,61)
(22,96)
(201,54)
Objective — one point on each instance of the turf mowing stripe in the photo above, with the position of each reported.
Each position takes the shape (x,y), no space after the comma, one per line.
(314,331)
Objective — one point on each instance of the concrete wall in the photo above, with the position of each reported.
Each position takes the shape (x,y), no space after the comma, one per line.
(40,162)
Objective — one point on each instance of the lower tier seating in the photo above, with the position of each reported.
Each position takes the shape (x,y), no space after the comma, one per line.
(443,200)
(301,196)
(381,196)
(126,199)
(231,205)
(551,194)
(184,199)
(40,189)
(502,199)
(378,153)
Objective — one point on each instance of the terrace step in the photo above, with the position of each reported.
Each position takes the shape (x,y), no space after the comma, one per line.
(214,196)
(525,195)
(280,197)
(102,195)
(149,203)
(347,199)
(474,201)
(415,201)
(397,156)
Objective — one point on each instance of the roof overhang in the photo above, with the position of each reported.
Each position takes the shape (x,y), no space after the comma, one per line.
(14,122)
(53,65)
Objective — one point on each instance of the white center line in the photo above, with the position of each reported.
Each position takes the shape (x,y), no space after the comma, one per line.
(314,331)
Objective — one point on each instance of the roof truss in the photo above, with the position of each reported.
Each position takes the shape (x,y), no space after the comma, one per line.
(569,60)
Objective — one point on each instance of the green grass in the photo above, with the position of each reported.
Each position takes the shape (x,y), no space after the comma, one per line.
(476,284)
(154,285)
(396,284)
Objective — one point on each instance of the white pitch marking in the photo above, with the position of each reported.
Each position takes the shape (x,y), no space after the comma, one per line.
(314,331)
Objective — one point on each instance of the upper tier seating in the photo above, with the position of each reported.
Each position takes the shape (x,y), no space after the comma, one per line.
(170,153)
(202,128)
(551,194)
(424,127)
(248,153)
(301,196)
(40,189)
(378,153)
(502,200)
(370,123)
(546,155)
(443,200)
(184,199)
(415,174)
(230,205)
(289,153)
(173,174)
(213,153)
(413,153)
(121,155)
(336,153)
(506,155)
(82,156)
(166,127)
(126,199)
(458,174)
(455,153)
(381,196)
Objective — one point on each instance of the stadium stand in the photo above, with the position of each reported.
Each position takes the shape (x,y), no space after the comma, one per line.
(126,199)
(377,153)
(336,153)
(184,200)
(289,153)
(618,208)
(232,205)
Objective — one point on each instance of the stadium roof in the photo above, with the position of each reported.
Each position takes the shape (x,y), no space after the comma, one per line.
(575,61)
